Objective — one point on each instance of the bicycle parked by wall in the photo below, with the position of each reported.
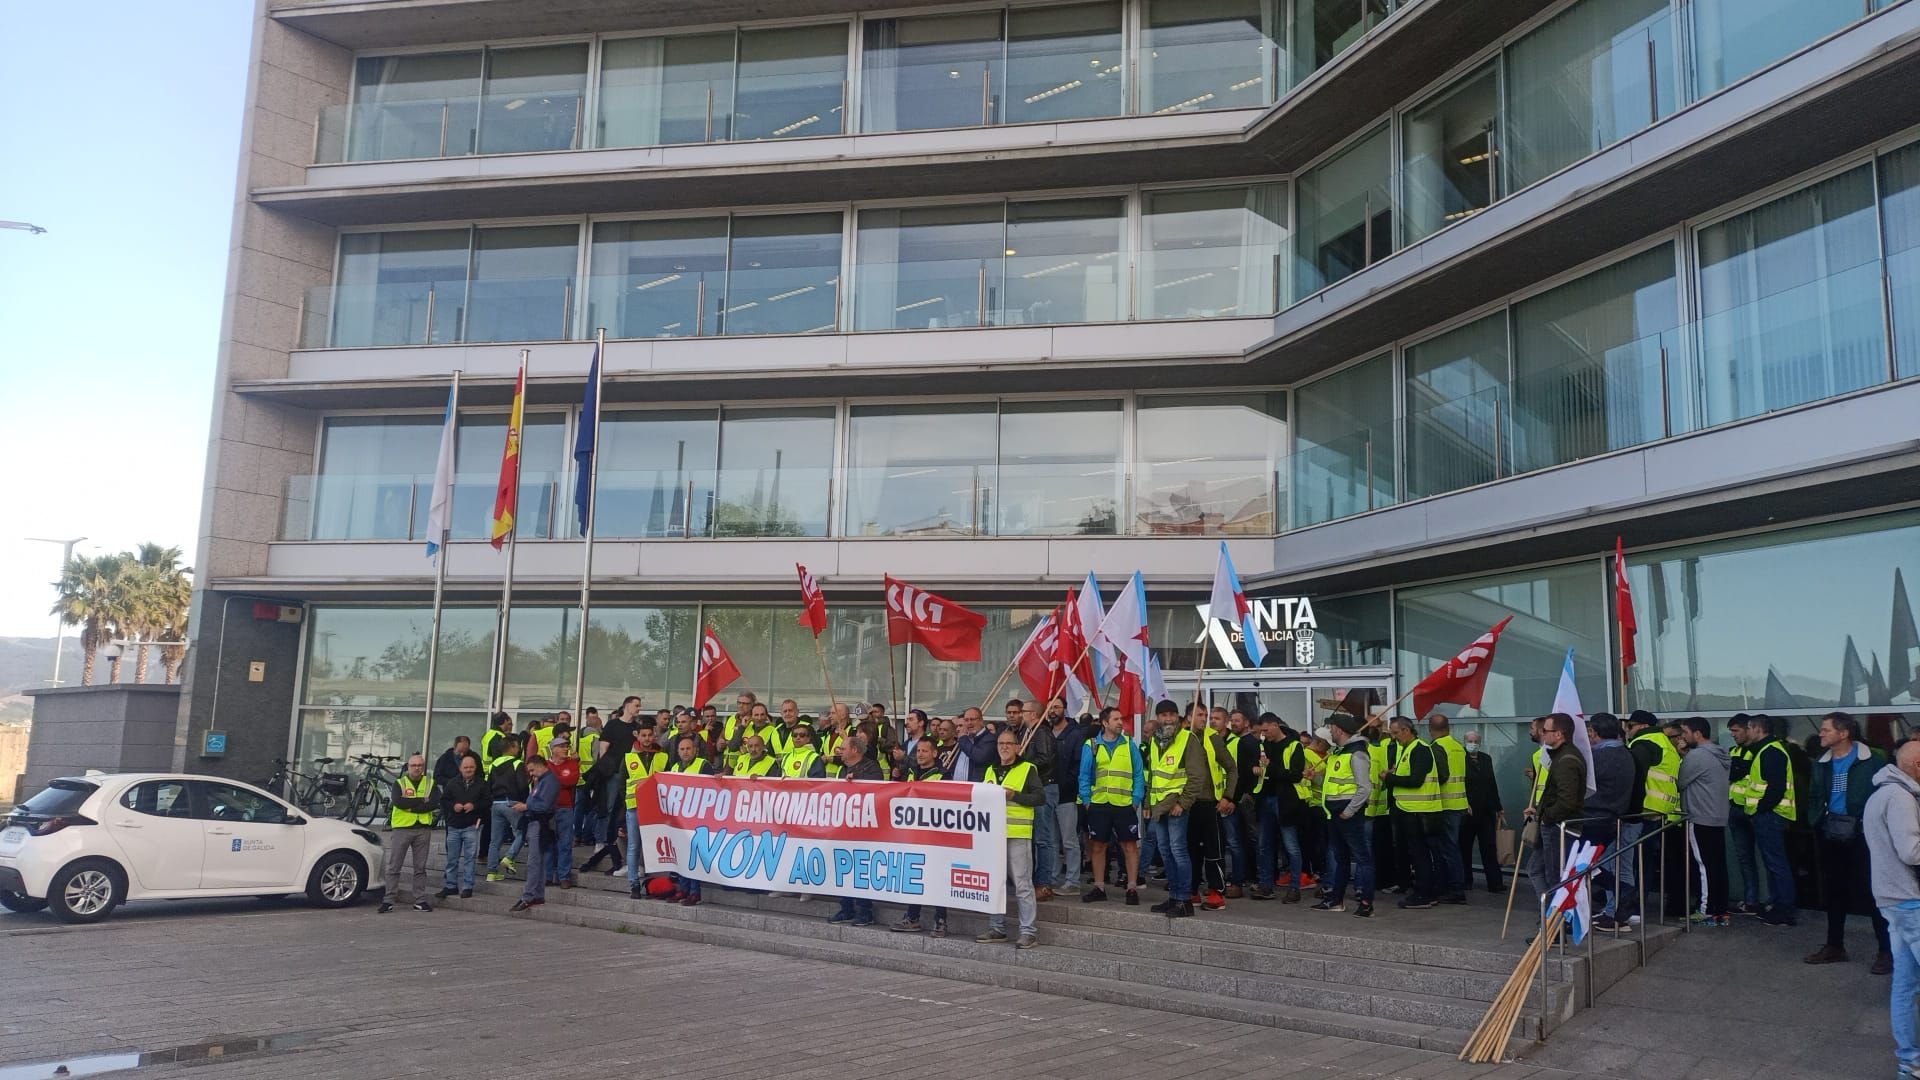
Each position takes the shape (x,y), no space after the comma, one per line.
(372,799)
(322,793)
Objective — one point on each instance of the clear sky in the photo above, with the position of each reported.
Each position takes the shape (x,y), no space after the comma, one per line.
(119,135)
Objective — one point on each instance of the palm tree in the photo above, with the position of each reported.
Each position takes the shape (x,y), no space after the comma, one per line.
(158,597)
(93,596)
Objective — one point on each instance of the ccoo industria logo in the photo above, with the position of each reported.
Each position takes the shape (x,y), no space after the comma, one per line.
(664,853)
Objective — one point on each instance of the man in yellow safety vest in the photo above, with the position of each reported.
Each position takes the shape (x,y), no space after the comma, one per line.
(1346,790)
(1414,787)
(645,759)
(1450,757)
(1022,781)
(1771,807)
(411,822)
(1112,786)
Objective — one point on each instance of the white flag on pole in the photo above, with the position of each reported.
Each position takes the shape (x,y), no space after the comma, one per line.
(440,507)
(1566,699)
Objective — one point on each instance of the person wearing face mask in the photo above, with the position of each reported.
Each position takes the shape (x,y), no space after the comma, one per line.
(1485,816)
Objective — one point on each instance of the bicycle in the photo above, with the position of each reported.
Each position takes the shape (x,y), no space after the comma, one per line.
(322,795)
(371,801)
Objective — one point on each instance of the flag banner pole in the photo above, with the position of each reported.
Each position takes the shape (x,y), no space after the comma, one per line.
(506,588)
(1375,718)
(820,651)
(1200,678)
(586,561)
(440,575)
(1004,676)
(893,680)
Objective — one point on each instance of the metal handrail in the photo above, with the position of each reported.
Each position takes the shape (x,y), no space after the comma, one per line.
(1611,857)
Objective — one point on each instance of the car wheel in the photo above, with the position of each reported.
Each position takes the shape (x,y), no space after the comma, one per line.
(86,891)
(336,880)
(21,902)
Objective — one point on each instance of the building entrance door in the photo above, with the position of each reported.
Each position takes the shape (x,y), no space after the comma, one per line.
(1303,701)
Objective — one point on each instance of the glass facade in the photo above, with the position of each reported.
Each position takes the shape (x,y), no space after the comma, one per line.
(1208,54)
(1587,78)
(1210,464)
(414,106)
(534,99)
(1213,252)
(1323,29)
(783,275)
(1449,155)
(776,471)
(1346,216)
(750,84)
(1735,38)
(1900,226)
(1345,449)
(1457,408)
(653,279)
(440,286)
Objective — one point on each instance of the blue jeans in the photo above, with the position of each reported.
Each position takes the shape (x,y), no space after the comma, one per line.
(506,828)
(1350,843)
(559,854)
(1046,838)
(1740,838)
(633,848)
(463,848)
(1903,928)
(1170,835)
(859,910)
(1623,865)
(1770,834)
(1273,837)
(539,833)
(1453,868)
(1236,854)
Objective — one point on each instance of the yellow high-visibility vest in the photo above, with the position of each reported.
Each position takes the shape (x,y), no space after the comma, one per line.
(407,819)
(1113,772)
(1424,799)
(1013,778)
(1453,790)
(1169,768)
(1663,776)
(639,767)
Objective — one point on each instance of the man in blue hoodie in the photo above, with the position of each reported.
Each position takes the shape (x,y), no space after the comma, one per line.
(543,796)
(1113,787)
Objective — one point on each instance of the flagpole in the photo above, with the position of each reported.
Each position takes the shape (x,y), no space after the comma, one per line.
(893,679)
(440,570)
(586,561)
(820,651)
(506,588)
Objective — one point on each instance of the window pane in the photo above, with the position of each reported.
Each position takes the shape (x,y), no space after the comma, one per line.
(1343,447)
(944,687)
(931,71)
(413,106)
(447,724)
(784,275)
(540,658)
(920,470)
(649,277)
(522,283)
(464,676)
(366,484)
(1064,261)
(1900,210)
(367,656)
(535,99)
(791,81)
(928,267)
(656,473)
(1063,63)
(640,650)
(1735,38)
(1790,301)
(341,733)
(1209,464)
(662,90)
(391,285)
(776,467)
(1346,215)
(1206,54)
(1707,613)
(1457,410)
(479,439)
(1323,29)
(1450,162)
(1213,253)
(1587,374)
(226,802)
(1554,609)
(1060,468)
(161,798)
(1587,78)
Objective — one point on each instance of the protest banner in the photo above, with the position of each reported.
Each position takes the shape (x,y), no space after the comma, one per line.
(940,843)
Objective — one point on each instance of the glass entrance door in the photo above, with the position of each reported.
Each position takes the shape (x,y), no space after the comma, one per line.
(1303,702)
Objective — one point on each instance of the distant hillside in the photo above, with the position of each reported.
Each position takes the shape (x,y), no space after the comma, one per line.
(28,662)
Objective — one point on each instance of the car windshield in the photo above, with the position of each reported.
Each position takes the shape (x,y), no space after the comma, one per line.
(60,798)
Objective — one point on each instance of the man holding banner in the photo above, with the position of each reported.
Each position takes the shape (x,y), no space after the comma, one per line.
(1022,781)
(856,764)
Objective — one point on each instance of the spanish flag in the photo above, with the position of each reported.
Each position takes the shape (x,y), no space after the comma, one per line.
(506,498)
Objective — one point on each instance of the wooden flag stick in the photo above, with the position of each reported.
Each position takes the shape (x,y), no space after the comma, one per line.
(1513,886)
(820,651)
(1004,676)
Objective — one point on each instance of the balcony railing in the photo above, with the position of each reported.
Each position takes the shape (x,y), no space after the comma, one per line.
(448,127)
(443,311)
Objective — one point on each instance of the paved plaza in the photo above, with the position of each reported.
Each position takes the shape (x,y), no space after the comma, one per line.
(451,993)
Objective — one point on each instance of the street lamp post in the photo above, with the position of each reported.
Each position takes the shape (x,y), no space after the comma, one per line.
(60,626)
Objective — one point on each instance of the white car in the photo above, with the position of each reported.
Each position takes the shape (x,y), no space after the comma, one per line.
(89,843)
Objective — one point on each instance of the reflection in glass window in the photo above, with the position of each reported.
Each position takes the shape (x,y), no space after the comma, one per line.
(1213,252)
(1451,162)
(656,473)
(928,267)
(1582,81)
(1554,609)
(369,471)
(1346,215)
(1900,224)
(657,91)
(944,687)
(1344,443)
(226,802)
(343,732)
(367,657)
(479,439)
(1323,29)
(791,83)
(776,468)
(783,275)
(1062,262)
(1790,300)
(462,680)
(920,470)
(1735,38)
(407,287)
(535,99)
(932,71)
(414,106)
(1063,63)
(522,286)
(160,798)
(1210,464)
(1587,363)
(1709,616)
(1457,409)
(1060,468)
(1207,54)
(657,278)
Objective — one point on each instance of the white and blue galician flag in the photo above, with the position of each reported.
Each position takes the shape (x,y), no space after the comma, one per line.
(440,506)
(1566,699)
(1575,898)
(1092,614)
(583,443)
(1229,603)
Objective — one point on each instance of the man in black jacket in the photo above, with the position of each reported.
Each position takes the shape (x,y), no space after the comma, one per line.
(507,782)
(1417,828)
(1483,813)
(465,801)
(447,765)
(1277,761)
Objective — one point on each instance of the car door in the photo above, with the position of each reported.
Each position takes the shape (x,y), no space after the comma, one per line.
(249,842)
(153,824)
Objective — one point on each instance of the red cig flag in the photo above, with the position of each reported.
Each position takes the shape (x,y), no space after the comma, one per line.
(715,669)
(918,617)
(813,603)
(1461,680)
